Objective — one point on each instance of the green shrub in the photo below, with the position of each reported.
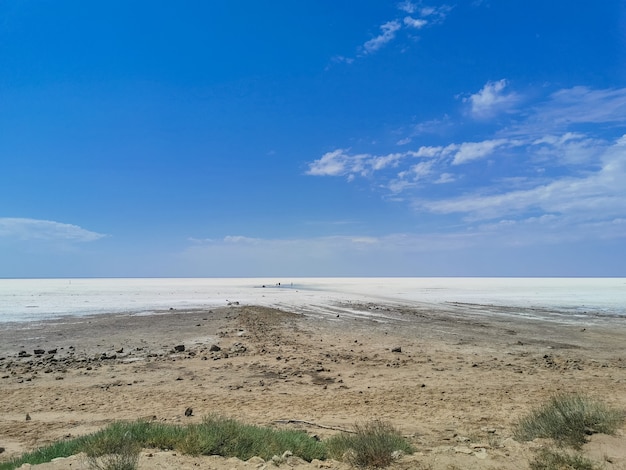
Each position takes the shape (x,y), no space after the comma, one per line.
(373,444)
(568,419)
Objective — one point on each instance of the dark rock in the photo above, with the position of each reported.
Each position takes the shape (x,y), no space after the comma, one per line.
(28,418)
(397,349)
(179,348)
(1,450)
(215,348)
(39,352)
(120,350)
(52,351)
(188,411)
(23,354)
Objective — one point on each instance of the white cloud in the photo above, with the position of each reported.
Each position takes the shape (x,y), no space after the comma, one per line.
(599,194)
(436,14)
(426,151)
(569,108)
(389,29)
(558,170)
(468,151)
(445,178)
(388,33)
(491,100)
(414,23)
(335,163)
(584,105)
(569,149)
(422,169)
(340,163)
(407,6)
(379,163)
(33,229)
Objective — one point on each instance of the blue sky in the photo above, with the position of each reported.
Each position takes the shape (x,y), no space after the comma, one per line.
(312,138)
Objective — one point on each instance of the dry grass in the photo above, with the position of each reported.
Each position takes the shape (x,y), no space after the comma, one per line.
(569,419)
(374,444)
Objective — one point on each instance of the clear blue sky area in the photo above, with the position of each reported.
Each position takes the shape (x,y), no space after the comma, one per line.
(312,138)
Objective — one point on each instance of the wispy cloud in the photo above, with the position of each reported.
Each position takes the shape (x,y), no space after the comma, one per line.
(558,165)
(408,7)
(588,196)
(584,105)
(388,33)
(396,254)
(34,229)
(424,11)
(432,126)
(415,17)
(572,108)
(340,163)
(469,151)
(414,23)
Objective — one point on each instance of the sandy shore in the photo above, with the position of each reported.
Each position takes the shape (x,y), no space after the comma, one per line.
(451,381)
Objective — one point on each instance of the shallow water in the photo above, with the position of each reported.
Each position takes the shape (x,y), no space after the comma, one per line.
(24,300)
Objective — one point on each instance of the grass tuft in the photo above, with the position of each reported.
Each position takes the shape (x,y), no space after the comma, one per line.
(117,446)
(374,444)
(548,459)
(568,419)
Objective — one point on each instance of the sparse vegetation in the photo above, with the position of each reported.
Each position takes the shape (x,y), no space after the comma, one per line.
(229,438)
(568,419)
(374,444)
(117,446)
(548,459)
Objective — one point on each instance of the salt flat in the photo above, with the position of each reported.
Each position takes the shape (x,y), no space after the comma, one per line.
(568,298)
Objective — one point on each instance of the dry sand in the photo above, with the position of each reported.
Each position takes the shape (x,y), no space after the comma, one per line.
(455,388)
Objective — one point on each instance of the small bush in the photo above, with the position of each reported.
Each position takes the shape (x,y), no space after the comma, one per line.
(548,459)
(568,419)
(115,448)
(125,458)
(374,444)
(227,437)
